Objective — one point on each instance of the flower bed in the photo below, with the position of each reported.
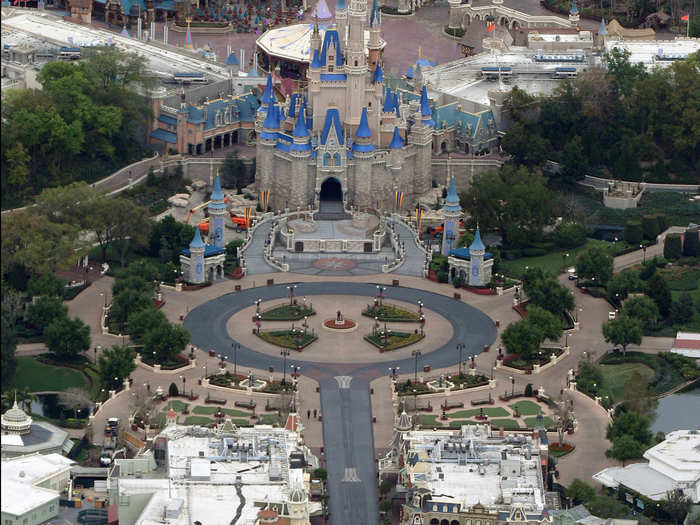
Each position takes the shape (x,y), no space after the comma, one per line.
(345,325)
(479,291)
(469,381)
(389,312)
(286,312)
(407,388)
(558,450)
(192,287)
(287,338)
(171,364)
(394,341)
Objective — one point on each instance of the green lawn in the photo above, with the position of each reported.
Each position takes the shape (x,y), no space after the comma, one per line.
(489,411)
(532,422)
(210,410)
(268,419)
(507,424)
(615,377)
(396,340)
(38,377)
(177,406)
(430,420)
(552,262)
(198,420)
(526,408)
(459,422)
(286,312)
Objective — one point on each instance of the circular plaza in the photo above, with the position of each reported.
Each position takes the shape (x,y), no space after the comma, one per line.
(230,325)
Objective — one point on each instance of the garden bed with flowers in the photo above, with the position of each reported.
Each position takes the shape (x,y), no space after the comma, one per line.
(294,339)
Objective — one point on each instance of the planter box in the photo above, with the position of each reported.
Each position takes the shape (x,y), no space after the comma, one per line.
(270,282)
(238,288)
(395,282)
(426,368)
(457,296)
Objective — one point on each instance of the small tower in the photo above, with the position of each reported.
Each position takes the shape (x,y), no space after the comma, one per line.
(315,38)
(573,14)
(602,32)
(217,212)
(196,259)
(477,251)
(171,418)
(452,211)
(374,45)
(298,506)
(341,21)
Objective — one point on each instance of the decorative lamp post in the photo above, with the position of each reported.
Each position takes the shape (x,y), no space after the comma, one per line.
(291,288)
(460,349)
(416,354)
(492,370)
(422,325)
(415,400)
(615,247)
(257,306)
(394,372)
(420,308)
(512,382)
(235,347)
(284,353)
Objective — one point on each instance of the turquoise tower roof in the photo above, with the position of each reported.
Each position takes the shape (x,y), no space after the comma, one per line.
(197,241)
(217,194)
(603,30)
(574,9)
(396,140)
(268,96)
(478,243)
(340,5)
(452,200)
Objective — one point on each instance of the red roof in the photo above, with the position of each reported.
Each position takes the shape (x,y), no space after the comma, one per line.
(292,422)
(687,343)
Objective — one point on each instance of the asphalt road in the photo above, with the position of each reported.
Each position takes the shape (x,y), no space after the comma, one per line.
(345,398)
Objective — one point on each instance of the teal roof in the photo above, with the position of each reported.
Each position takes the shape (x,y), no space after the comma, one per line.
(396,140)
(232,60)
(603,30)
(197,241)
(574,9)
(478,243)
(217,194)
(363,130)
(452,200)
(332,120)
(340,5)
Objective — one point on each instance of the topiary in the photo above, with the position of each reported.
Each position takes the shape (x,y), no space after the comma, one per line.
(443,277)
(633,232)
(690,243)
(650,227)
(672,246)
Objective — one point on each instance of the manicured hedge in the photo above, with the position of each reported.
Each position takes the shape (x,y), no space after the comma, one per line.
(690,244)
(650,226)
(633,232)
(672,246)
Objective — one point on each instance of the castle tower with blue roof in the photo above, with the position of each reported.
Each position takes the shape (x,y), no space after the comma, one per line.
(217,214)
(472,266)
(452,211)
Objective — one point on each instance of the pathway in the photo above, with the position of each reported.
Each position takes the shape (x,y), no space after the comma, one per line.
(254,258)
(414,261)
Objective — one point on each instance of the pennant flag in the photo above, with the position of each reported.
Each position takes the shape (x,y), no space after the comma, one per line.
(686,18)
(491,27)
(400,200)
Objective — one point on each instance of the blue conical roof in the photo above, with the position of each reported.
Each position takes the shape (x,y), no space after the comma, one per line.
(452,199)
(574,9)
(340,5)
(374,15)
(316,61)
(300,129)
(197,241)
(271,121)
(425,110)
(321,10)
(378,74)
(603,30)
(388,102)
(363,130)
(478,243)
(217,194)
(268,97)
(232,60)
(396,140)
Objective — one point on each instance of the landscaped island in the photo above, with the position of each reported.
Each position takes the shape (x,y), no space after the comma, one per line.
(293,338)
(287,312)
(390,312)
(393,339)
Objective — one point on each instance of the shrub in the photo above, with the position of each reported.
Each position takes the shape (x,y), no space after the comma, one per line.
(458,32)
(457,282)
(663,222)
(633,232)
(672,246)
(570,235)
(534,252)
(443,277)
(528,390)
(690,244)
(650,227)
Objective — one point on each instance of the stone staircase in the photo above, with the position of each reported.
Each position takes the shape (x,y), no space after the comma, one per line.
(331,211)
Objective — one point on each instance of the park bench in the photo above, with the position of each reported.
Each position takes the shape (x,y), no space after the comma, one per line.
(477,402)
(213,401)
(452,406)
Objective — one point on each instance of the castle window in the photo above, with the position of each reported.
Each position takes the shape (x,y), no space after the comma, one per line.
(355,63)
(330,69)
(369,104)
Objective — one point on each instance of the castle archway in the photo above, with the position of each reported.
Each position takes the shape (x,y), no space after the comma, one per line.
(466,20)
(515,24)
(331,190)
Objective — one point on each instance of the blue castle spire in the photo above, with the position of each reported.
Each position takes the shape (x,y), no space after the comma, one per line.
(316,61)
(603,30)
(396,140)
(388,102)
(374,15)
(574,9)
(425,110)
(363,130)
(271,120)
(378,74)
(268,97)
(300,129)
(197,241)
(452,199)
(217,194)
(478,244)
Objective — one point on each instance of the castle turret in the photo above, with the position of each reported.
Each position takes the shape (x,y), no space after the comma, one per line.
(375,30)
(574,16)
(315,37)
(196,258)
(355,62)
(298,506)
(363,151)
(421,137)
(396,155)
(602,32)
(341,21)
(477,252)
(265,145)
(217,213)
(452,212)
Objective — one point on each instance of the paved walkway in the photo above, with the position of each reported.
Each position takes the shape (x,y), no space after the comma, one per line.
(414,261)
(254,259)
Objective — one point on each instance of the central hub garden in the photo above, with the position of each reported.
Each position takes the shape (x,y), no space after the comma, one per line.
(339,328)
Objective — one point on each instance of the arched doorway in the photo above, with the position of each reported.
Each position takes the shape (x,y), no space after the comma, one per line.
(331,199)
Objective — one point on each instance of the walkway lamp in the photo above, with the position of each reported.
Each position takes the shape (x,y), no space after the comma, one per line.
(284,353)
(416,354)
(460,349)
(204,371)
(291,288)
(615,247)
(415,400)
(257,306)
(235,347)
(492,370)
(512,382)
(394,372)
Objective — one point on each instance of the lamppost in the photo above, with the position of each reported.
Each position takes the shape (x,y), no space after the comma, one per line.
(460,349)
(512,382)
(415,400)
(284,353)
(257,306)
(116,382)
(422,325)
(291,288)
(420,308)
(492,370)
(615,247)
(394,372)
(380,294)
(235,347)
(204,371)
(644,253)
(295,374)
(183,384)
(154,358)
(416,354)
(564,257)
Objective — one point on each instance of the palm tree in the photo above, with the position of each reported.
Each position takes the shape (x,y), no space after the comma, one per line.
(25,398)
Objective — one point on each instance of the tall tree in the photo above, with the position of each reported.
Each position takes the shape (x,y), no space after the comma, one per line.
(658,290)
(131,227)
(118,362)
(595,263)
(522,338)
(625,447)
(623,331)
(643,309)
(67,337)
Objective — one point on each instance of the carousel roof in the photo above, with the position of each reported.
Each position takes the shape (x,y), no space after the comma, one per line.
(294,42)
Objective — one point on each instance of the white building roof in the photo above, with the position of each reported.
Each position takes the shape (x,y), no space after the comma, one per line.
(18,498)
(645,51)
(35,468)
(678,456)
(687,344)
(638,477)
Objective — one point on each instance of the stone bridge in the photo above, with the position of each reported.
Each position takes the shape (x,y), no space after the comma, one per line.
(463,14)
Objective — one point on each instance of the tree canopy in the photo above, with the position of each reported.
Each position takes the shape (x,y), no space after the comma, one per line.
(623,331)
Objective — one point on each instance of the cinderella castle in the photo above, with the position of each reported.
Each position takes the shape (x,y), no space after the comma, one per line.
(348,138)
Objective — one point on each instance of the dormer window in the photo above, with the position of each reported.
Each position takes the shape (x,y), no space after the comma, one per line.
(331,58)
(330,69)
